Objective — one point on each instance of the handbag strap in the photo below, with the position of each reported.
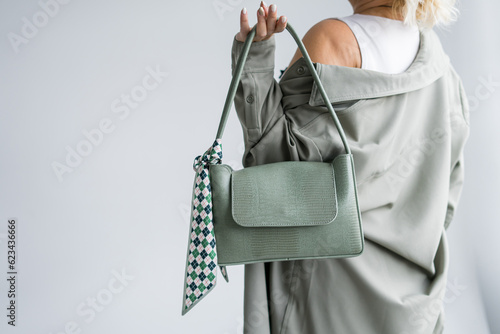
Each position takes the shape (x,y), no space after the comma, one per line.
(239,69)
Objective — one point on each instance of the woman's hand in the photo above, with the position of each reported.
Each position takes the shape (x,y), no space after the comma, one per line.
(267,23)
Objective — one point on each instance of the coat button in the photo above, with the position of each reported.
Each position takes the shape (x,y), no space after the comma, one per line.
(301,70)
(249,98)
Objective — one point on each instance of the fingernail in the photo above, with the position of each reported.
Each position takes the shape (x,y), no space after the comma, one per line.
(261,11)
(244,10)
(283,19)
(272,8)
(264,3)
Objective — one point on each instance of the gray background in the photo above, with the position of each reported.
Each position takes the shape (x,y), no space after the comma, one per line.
(125,206)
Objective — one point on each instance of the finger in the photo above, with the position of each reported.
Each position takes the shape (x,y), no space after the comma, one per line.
(266,9)
(244,25)
(271,19)
(261,25)
(281,24)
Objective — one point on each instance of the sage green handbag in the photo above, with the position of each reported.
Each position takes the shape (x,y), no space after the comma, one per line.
(285,210)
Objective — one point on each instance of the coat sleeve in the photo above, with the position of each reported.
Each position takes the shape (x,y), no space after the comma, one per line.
(269,134)
(460,125)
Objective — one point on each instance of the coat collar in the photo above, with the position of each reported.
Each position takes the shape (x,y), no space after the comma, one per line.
(347,83)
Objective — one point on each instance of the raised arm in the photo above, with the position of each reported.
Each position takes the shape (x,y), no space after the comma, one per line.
(270,134)
(267,131)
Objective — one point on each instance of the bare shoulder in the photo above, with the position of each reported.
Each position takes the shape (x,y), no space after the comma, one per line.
(331,41)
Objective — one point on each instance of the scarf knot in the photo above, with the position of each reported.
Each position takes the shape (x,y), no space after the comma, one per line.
(211,156)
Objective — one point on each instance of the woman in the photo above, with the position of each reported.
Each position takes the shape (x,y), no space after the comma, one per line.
(405,115)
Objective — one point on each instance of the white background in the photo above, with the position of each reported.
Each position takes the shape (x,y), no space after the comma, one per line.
(125,206)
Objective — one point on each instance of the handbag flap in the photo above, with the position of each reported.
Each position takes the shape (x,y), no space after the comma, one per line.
(286,193)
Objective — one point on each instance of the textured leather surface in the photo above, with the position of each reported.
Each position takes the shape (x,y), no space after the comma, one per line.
(286,193)
(237,244)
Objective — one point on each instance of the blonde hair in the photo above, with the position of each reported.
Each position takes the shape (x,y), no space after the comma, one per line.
(426,13)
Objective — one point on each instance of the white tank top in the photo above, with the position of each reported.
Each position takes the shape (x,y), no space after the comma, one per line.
(386,45)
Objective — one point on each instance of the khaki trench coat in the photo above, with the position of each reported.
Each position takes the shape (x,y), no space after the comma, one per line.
(407,133)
